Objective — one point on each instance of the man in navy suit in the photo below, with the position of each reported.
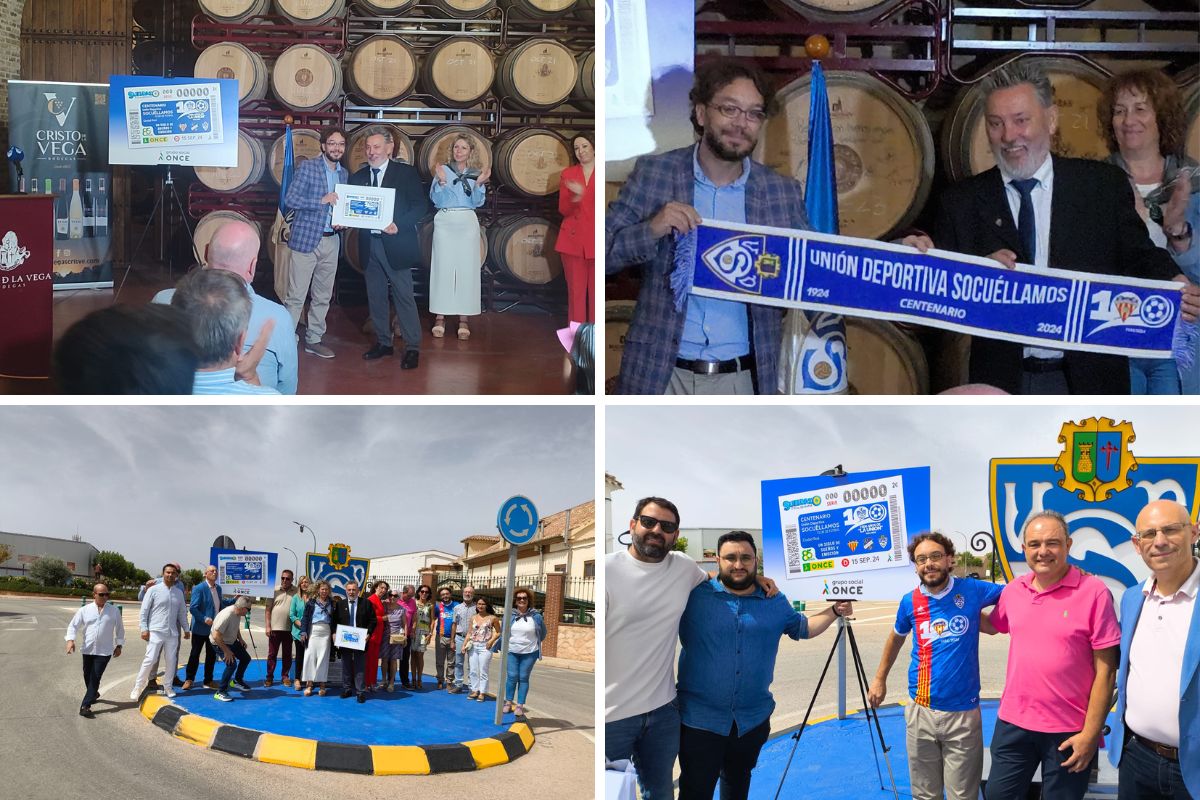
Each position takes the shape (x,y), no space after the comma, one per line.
(1156,735)
(390,254)
(712,346)
(358,612)
(206,601)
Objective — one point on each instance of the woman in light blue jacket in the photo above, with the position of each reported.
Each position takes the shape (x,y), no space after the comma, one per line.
(526,629)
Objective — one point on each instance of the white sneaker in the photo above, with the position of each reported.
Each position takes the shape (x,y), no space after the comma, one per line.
(135,694)
(170,694)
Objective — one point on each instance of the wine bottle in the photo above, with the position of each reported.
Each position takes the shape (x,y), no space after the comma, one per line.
(89,209)
(75,212)
(102,211)
(62,208)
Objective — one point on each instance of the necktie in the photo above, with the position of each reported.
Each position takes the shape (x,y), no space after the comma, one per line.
(374,176)
(353,615)
(1026,226)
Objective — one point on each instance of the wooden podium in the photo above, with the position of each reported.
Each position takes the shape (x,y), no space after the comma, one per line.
(26,285)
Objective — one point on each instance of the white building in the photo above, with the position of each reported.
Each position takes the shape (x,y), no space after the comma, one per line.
(25,550)
(565,542)
(411,563)
(611,484)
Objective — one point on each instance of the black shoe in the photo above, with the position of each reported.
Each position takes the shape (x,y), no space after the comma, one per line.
(86,712)
(346,693)
(177,682)
(362,698)
(378,351)
(410,359)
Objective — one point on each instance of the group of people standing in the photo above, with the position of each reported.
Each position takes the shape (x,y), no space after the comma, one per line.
(1067,655)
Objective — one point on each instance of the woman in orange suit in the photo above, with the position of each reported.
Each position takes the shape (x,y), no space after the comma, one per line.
(577,237)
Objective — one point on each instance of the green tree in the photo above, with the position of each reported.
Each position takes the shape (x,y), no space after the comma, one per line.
(191,577)
(115,566)
(681,544)
(968,560)
(5,553)
(140,576)
(50,571)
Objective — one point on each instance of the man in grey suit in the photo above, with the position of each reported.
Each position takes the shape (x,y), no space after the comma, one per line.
(390,254)
(711,346)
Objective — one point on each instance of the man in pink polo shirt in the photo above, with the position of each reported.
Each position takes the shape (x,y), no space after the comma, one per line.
(1062,663)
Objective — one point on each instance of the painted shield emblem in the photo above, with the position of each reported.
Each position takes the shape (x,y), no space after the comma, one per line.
(1096,460)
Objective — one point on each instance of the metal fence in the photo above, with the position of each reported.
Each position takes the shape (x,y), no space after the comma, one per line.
(579,605)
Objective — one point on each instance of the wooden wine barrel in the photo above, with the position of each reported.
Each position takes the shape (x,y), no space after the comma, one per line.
(1189,81)
(459,71)
(530,160)
(523,247)
(234,10)
(386,8)
(305,77)
(382,69)
(883,359)
(435,148)
(586,10)
(1077,90)
(252,162)
(207,227)
(357,151)
(233,60)
(617,316)
(839,10)
(585,85)
(538,75)
(306,144)
(306,12)
(463,8)
(883,150)
(542,9)
(425,240)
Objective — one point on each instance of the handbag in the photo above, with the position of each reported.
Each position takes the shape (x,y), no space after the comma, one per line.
(397,638)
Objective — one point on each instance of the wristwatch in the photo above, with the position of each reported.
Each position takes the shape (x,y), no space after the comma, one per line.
(1183,235)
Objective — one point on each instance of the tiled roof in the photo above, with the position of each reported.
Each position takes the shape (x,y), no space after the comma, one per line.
(583,527)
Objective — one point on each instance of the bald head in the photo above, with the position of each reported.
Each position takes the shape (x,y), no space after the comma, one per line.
(234,247)
(1164,535)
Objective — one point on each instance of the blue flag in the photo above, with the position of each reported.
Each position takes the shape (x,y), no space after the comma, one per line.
(286,180)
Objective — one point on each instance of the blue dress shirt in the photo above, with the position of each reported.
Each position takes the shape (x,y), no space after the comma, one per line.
(728,659)
(717,330)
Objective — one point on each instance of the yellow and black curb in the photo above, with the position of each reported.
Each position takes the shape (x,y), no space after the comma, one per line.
(362,759)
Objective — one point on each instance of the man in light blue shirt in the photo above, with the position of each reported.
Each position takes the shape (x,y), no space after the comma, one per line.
(234,248)
(163,616)
(730,635)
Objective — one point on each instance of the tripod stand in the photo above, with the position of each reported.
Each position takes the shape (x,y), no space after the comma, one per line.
(167,186)
(872,714)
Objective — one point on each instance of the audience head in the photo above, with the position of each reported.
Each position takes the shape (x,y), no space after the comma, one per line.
(218,307)
(127,350)
(234,248)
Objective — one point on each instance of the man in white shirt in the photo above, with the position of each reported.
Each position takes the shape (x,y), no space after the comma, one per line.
(1156,736)
(153,684)
(103,635)
(164,615)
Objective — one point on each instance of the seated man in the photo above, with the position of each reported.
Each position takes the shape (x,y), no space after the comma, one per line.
(234,248)
(218,307)
(127,350)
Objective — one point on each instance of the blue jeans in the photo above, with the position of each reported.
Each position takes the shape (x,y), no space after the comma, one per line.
(1145,775)
(1153,376)
(517,682)
(1016,754)
(652,741)
(238,668)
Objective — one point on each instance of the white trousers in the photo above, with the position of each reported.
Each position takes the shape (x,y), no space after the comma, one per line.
(480,658)
(160,644)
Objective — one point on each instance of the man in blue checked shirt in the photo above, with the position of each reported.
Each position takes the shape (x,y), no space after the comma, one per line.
(730,634)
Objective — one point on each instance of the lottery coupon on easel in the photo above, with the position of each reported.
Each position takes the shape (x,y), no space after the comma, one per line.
(860,525)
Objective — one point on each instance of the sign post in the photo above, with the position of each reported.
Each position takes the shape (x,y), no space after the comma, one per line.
(517,523)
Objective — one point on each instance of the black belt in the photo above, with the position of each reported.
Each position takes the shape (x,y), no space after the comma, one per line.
(1035,364)
(715,367)
(331,233)
(1164,750)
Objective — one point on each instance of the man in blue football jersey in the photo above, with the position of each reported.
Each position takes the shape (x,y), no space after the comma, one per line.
(944,728)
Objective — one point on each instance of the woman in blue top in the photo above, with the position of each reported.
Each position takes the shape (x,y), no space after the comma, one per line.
(458,188)
(526,630)
(317,627)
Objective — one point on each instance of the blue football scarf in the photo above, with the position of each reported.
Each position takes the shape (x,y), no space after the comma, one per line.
(1055,308)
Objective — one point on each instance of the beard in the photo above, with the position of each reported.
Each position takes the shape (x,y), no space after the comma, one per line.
(937,578)
(737,585)
(650,546)
(1034,158)
(721,151)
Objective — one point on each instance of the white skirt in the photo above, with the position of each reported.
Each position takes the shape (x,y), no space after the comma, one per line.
(454,274)
(316,656)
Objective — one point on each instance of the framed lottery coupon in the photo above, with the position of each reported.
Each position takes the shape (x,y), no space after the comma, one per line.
(351,637)
(363,206)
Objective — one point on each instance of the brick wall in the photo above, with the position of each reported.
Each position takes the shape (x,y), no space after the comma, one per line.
(577,642)
(10,56)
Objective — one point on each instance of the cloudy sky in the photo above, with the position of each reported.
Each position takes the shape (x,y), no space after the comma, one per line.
(709,460)
(161,483)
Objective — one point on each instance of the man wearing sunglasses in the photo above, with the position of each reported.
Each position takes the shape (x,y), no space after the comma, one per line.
(278,627)
(710,346)
(1156,736)
(103,635)
(730,634)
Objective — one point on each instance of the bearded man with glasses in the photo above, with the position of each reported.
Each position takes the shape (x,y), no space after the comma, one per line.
(1156,736)
(943,725)
(710,346)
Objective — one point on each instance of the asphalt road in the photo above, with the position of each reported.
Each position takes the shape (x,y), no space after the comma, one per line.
(50,751)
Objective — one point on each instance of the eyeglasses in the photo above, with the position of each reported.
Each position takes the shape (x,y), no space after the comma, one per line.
(424,591)
(932,558)
(100,594)
(1171,531)
(649,522)
(731,111)
(735,558)
(522,599)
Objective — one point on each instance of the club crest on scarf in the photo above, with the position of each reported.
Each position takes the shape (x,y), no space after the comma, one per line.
(742,262)
(1126,309)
